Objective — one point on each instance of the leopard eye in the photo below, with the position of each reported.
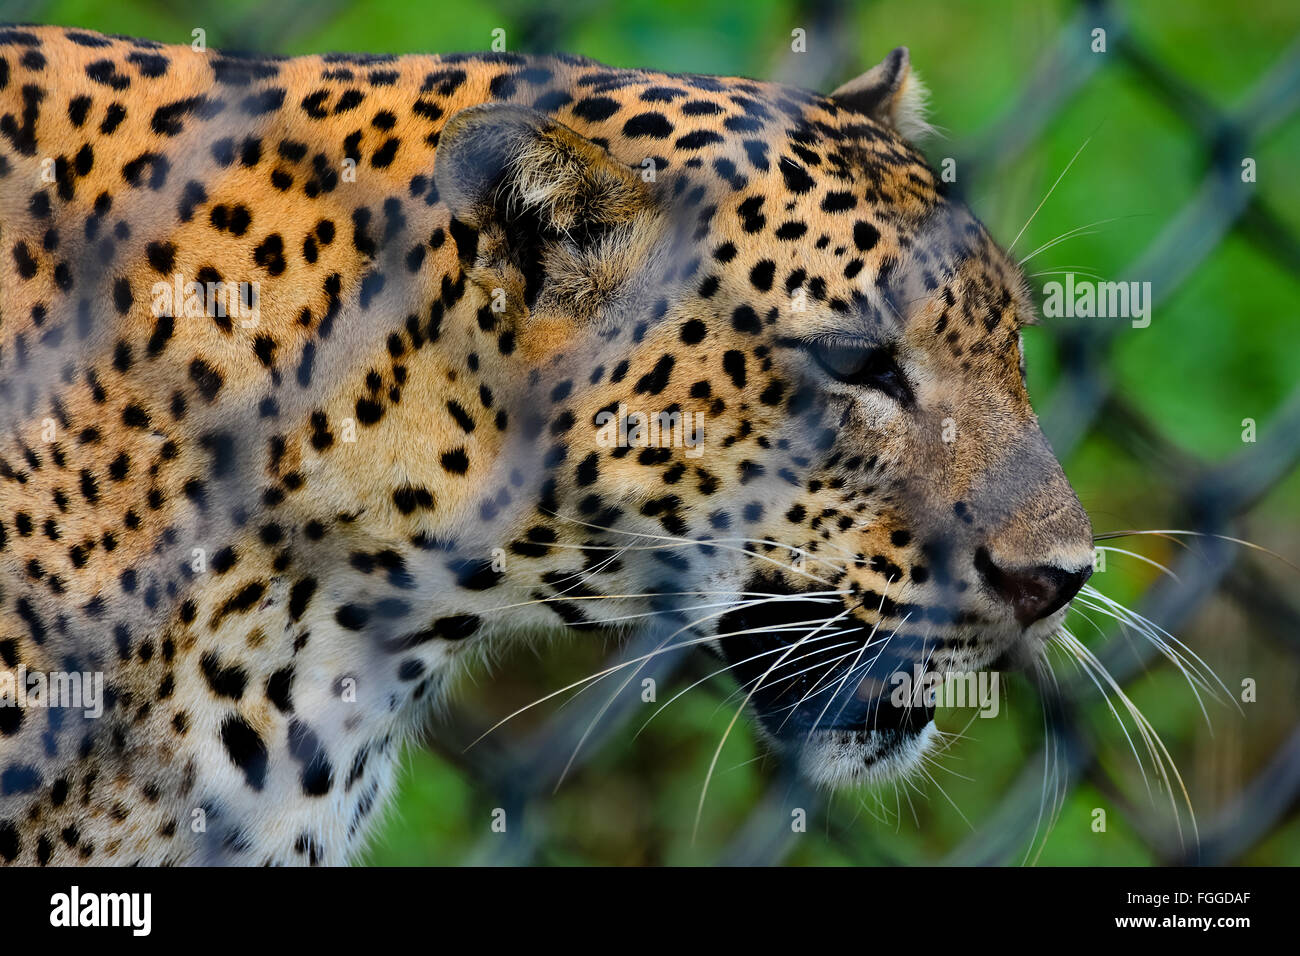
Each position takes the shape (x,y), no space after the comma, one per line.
(866,366)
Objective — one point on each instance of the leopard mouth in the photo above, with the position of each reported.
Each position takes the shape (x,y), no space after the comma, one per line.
(850,702)
(806,674)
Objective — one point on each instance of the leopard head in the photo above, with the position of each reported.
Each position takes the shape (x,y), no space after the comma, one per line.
(773,393)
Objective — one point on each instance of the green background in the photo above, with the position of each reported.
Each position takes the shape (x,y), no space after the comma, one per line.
(1223,348)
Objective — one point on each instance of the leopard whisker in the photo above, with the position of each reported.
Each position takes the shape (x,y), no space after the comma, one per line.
(909,784)
(691,542)
(1065,237)
(1051,771)
(585,575)
(814,596)
(850,673)
(1168,645)
(740,689)
(698,607)
(1043,201)
(699,810)
(922,770)
(614,668)
(1145,560)
(1173,532)
(865,644)
(709,676)
(1064,272)
(935,760)
(722,543)
(1190,674)
(614,696)
(1088,229)
(1080,660)
(1161,758)
(786,679)
(883,816)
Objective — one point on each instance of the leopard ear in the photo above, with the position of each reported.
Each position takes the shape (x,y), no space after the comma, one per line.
(891,94)
(521,168)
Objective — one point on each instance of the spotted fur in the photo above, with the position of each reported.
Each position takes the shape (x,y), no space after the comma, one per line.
(279,539)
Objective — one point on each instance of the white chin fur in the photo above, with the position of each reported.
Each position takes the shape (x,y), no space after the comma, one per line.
(842,758)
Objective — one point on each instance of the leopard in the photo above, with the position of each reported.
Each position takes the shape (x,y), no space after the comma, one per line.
(325,376)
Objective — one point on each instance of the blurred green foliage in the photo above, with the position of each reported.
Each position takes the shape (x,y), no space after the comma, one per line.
(1222,349)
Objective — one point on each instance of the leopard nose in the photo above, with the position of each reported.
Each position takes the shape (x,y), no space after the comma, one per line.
(1035,592)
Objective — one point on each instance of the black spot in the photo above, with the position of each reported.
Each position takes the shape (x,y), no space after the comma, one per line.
(353,617)
(11,719)
(595,108)
(456,461)
(656,380)
(27,265)
(462,417)
(300,596)
(410,497)
(264,102)
(133,416)
(838,201)
(762,274)
(279,689)
(122,296)
(650,124)
(368,411)
(385,154)
(167,118)
(317,774)
(78,107)
(250,151)
(105,73)
(865,236)
(475,575)
(745,319)
(224,681)
(588,470)
(208,379)
(241,600)
(796,178)
(733,363)
(698,139)
(246,750)
(150,65)
(161,256)
(9,844)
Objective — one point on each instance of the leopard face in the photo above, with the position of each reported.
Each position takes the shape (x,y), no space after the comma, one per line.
(531,345)
(846,448)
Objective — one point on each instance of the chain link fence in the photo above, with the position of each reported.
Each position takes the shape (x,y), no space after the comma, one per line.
(520,771)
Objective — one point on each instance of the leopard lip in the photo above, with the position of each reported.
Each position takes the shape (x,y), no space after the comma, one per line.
(878,716)
(869,705)
(868,709)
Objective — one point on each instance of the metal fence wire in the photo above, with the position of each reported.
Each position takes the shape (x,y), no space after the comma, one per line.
(518,770)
